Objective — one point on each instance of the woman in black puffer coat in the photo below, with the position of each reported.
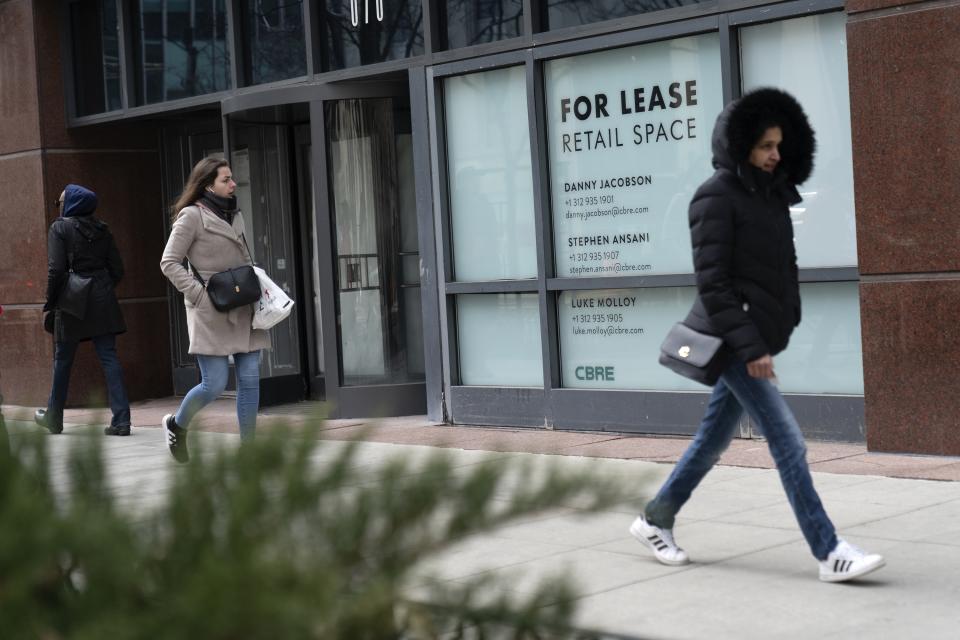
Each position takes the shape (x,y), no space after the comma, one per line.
(80,241)
(748,294)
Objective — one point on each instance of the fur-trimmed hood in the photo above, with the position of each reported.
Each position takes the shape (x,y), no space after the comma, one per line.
(742,123)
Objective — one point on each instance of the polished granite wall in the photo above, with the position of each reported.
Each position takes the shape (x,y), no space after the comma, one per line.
(38,156)
(904,67)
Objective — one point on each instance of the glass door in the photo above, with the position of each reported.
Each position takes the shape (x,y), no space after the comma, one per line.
(260,157)
(376,270)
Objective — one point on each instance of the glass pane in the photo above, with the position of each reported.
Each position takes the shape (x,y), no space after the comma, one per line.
(96,56)
(571,13)
(491,356)
(610,339)
(371,31)
(824,223)
(381,334)
(275,41)
(491,185)
(180,49)
(477,21)
(629,143)
(825,353)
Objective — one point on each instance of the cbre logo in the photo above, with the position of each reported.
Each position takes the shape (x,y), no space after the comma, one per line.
(355,11)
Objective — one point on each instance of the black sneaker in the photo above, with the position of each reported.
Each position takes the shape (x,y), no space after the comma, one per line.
(53,426)
(176,439)
(123,430)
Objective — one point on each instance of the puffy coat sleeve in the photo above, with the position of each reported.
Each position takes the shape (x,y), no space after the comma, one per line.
(713,233)
(178,244)
(56,265)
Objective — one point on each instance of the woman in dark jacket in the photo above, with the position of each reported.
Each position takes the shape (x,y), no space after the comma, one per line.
(748,294)
(80,242)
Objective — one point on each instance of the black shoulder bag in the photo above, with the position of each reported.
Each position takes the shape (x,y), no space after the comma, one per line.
(698,356)
(75,292)
(231,288)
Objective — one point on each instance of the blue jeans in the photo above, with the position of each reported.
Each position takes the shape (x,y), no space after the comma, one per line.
(63,356)
(214,371)
(735,391)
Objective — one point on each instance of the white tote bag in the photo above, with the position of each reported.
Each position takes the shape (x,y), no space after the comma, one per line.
(274,304)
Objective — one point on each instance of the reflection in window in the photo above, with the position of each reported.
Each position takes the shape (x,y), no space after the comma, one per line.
(572,13)
(274,40)
(366,31)
(472,22)
(96,56)
(180,48)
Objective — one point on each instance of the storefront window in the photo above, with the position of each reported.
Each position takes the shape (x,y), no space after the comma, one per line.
(610,339)
(499,340)
(274,40)
(371,31)
(180,49)
(96,56)
(629,142)
(824,224)
(472,22)
(491,184)
(572,13)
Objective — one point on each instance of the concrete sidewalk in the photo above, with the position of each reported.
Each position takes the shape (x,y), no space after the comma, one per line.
(752,575)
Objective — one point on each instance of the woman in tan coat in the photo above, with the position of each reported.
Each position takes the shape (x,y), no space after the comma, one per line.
(208,231)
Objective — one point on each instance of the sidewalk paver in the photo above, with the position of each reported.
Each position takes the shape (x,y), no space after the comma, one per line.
(752,575)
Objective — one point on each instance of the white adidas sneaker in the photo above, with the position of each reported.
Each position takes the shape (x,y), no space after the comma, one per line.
(659,541)
(847,562)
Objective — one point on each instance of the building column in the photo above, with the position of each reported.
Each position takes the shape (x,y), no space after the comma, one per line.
(905,112)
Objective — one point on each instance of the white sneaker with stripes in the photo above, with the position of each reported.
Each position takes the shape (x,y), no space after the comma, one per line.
(847,562)
(659,541)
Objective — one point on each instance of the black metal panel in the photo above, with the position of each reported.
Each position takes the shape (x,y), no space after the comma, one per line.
(429,283)
(184,379)
(537,117)
(831,274)
(771,13)
(235,43)
(830,418)
(324,248)
(652,412)
(441,228)
(626,38)
(498,61)
(127,83)
(282,390)
(492,286)
(626,282)
(729,60)
(312,34)
(498,406)
(382,401)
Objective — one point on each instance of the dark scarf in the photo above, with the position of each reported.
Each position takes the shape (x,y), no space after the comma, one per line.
(225,208)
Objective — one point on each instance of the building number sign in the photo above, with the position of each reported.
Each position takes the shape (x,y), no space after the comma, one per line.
(355,11)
